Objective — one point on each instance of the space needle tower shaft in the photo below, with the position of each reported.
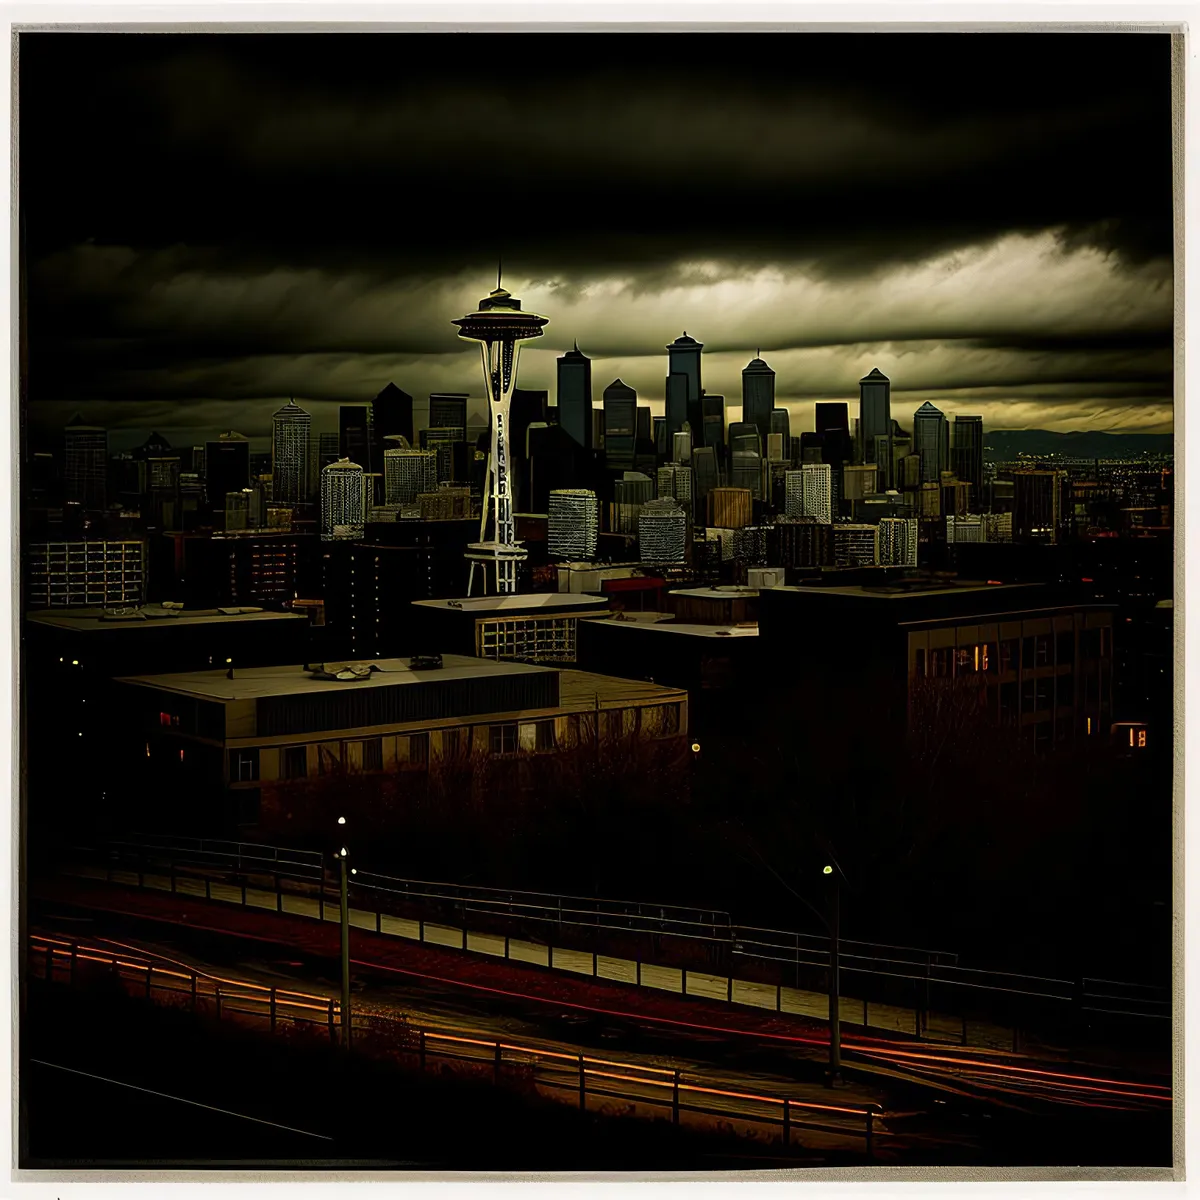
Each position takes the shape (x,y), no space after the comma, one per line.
(499,326)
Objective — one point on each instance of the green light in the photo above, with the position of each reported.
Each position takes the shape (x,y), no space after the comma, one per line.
(828,870)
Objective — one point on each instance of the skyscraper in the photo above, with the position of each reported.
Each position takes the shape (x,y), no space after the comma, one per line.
(678,417)
(575,396)
(745,469)
(620,426)
(817,488)
(1037,505)
(706,476)
(662,443)
(967,453)
(781,423)
(875,416)
(354,434)
(86,473)
(391,416)
(291,437)
(683,357)
(681,446)
(343,501)
(931,440)
(730,508)
(662,532)
(573,524)
(629,494)
(675,483)
(898,541)
(226,468)
(408,473)
(713,423)
(758,396)
(448,408)
(855,545)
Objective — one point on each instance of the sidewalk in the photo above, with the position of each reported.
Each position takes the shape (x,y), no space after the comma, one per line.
(744,1006)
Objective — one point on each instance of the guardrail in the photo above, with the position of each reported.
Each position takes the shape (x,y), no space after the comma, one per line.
(902,978)
(583,1076)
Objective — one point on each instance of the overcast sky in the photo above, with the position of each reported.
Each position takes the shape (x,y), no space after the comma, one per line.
(214,224)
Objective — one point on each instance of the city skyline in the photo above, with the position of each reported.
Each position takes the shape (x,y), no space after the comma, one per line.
(857,226)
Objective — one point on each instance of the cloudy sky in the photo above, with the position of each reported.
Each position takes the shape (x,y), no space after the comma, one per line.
(216,223)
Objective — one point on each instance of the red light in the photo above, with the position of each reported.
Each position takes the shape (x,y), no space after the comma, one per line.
(1086,580)
(995,582)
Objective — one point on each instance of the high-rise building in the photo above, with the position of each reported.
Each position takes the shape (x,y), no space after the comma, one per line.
(1037,505)
(226,468)
(967,453)
(645,425)
(291,436)
(706,475)
(898,541)
(573,524)
(662,443)
(663,531)
(997,527)
(855,545)
(804,542)
(675,483)
(327,450)
(629,494)
(781,423)
(575,396)
(620,426)
(758,397)
(681,446)
(683,358)
(817,491)
(237,510)
(730,507)
(875,416)
(354,434)
(448,408)
(931,440)
(678,416)
(391,416)
(85,477)
(343,501)
(713,422)
(858,480)
(775,444)
(965,529)
(408,473)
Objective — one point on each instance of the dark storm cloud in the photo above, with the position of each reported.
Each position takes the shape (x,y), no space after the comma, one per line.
(241,217)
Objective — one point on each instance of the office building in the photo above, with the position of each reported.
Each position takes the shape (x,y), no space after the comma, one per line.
(858,480)
(875,421)
(678,417)
(573,525)
(960,530)
(683,358)
(226,468)
(775,447)
(967,452)
(898,540)
(803,543)
(629,494)
(956,495)
(408,473)
(343,501)
(391,417)
(1037,505)
(662,443)
(85,474)
(354,434)
(712,410)
(675,483)
(663,531)
(105,574)
(237,510)
(448,409)
(291,437)
(575,396)
(729,507)
(817,491)
(781,423)
(931,441)
(758,397)
(620,426)
(706,475)
(681,446)
(855,545)
(745,470)
(445,503)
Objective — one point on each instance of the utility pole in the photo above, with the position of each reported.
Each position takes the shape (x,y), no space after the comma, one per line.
(834,1074)
(342,855)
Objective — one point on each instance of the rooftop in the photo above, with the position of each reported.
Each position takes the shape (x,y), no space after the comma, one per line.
(901,590)
(152,617)
(666,624)
(253,683)
(538,601)
(732,592)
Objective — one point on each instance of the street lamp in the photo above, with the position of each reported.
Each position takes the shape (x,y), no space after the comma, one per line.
(342,856)
(834,1074)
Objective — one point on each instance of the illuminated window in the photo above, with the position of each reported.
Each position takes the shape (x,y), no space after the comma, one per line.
(1141,738)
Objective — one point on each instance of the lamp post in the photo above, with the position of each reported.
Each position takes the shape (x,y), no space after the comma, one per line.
(342,856)
(834,1073)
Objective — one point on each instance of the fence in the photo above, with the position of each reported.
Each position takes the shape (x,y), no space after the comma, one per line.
(922,993)
(584,1077)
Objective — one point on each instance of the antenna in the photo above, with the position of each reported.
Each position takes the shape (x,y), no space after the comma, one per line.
(499,269)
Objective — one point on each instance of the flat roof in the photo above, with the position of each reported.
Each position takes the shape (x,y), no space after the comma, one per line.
(517,603)
(580,689)
(882,591)
(152,617)
(687,628)
(733,592)
(253,683)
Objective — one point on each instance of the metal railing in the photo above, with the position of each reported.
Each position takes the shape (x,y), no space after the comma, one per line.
(583,1076)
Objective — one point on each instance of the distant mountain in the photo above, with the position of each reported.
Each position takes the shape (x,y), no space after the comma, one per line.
(1009,443)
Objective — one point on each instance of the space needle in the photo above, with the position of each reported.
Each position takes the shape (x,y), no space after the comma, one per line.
(499,326)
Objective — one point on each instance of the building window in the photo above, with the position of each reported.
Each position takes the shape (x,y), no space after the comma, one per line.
(1044,694)
(418,750)
(985,658)
(670,716)
(543,736)
(1105,641)
(964,660)
(1027,694)
(249,802)
(611,725)
(372,754)
(939,663)
(1008,704)
(1041,650)
(919,665)
(243,766)
(1064,650)
(503,738)
(329,758)
(294,762)
(452,743)
(1010,655)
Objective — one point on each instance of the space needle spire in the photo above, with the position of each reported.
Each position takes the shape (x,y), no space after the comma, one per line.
(499,326)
